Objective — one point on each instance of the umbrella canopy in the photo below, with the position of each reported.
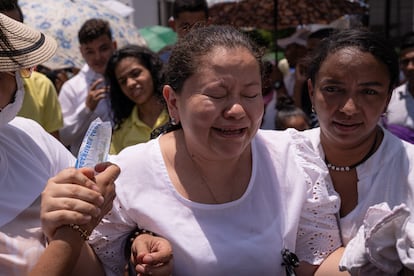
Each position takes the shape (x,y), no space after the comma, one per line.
(290,13)
(157,37)
(62,20)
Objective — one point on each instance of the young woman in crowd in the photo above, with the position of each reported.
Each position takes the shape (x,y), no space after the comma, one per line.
(134,75)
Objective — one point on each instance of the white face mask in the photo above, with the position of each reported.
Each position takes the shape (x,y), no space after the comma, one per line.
(10,111)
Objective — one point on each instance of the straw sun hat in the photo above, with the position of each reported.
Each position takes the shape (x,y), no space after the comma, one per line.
(29,46)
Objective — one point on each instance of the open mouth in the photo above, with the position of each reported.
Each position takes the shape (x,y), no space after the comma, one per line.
(231,132)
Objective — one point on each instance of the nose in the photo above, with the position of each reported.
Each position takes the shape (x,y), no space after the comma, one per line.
(130,82)
(235,110)
(410,64)
(350,106)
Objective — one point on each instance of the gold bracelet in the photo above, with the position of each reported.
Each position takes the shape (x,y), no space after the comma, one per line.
(83,233)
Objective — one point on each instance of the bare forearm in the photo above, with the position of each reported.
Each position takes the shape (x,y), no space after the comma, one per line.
(67,254)
(331,265)
(61,254)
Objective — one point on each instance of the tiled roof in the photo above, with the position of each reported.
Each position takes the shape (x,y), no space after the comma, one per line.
(290,13)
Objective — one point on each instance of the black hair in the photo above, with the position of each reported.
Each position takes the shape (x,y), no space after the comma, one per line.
(187,54)
(286,109)
(407,41)
(363,39)
(93,28)
(121,105)
(181,6)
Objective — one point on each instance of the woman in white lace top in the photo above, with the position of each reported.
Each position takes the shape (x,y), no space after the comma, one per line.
(351,78)
(229,197)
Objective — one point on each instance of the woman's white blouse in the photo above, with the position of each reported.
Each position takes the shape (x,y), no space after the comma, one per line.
(289,203)
(387,176)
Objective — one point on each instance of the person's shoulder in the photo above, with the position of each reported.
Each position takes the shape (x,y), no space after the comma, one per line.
(27,125)
(139,152)
(33,130)
(39,83)
(33,138)
(279,139)
(401,87)
(75,82)
(287,134)
(269,135)
(38,77)
(395,145)
(397,92)
(313,134)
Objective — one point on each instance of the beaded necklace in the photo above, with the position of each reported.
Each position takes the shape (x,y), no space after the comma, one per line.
(348,168)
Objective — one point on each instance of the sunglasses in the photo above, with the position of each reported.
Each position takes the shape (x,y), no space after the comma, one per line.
(24,72)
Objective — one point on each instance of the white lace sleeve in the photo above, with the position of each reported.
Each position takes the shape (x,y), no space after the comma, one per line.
(318,233)
(109,238)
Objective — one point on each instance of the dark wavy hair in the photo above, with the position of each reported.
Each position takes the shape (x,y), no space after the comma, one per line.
(121,105)
(364,40)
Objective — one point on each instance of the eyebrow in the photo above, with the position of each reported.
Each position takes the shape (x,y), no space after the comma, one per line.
(372,83)
(369,83)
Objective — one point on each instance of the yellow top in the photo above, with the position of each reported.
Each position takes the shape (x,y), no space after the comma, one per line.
(134,131)
(40,102)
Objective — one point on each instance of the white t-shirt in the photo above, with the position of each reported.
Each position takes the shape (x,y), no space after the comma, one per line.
(400,110)
(286,202)
(387,176)
(76,116)
(29,156)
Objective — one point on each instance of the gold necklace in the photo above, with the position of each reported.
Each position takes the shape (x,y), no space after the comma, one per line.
(204,181)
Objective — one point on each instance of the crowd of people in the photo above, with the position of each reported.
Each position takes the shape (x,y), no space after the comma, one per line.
(221,162)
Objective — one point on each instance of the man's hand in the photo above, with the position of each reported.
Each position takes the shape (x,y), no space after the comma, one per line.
(97,92)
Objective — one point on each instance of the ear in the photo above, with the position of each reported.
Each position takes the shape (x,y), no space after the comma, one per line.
(170,98)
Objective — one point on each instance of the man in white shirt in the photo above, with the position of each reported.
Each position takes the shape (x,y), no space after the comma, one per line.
(400,113)
(84,97)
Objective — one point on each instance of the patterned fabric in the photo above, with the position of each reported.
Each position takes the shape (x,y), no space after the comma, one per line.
(62,20)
